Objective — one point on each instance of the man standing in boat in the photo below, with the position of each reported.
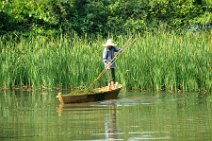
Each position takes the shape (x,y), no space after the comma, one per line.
(108,56)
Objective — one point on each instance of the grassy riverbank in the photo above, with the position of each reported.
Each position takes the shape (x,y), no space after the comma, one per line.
(155,61)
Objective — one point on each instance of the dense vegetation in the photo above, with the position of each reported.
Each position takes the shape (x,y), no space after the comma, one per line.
(58,43)
(100,17)
(155,61)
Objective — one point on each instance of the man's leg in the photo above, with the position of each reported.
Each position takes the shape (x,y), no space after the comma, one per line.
(113,79)
(109,77)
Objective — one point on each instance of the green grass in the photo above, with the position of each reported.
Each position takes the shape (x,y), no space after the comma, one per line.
(162,61)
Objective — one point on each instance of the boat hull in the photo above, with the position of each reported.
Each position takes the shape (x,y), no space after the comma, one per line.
(102,94)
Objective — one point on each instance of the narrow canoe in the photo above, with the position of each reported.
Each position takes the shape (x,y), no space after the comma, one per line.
(102,93)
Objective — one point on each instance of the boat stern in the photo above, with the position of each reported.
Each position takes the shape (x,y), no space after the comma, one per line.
(59,97)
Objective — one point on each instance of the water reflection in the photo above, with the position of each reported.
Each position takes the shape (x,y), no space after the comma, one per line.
(33,116)
(110,123)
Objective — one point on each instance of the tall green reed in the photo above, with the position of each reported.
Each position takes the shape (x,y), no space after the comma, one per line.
(162,61)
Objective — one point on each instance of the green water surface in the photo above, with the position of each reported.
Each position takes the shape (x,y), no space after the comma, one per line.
(134,116)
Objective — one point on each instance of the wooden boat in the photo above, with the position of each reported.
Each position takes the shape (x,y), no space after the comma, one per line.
(102,93)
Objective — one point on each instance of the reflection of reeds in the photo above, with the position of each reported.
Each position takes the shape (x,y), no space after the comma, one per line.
(155,61)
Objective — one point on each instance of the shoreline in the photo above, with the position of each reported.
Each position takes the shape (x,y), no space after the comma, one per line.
(48,89)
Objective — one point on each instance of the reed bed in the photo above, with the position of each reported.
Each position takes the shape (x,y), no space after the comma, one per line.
(162,61)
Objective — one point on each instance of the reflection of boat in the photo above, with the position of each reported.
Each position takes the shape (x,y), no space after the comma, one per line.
(105,116)
(100,94)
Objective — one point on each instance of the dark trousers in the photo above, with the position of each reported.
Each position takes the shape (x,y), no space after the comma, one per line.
(111,75)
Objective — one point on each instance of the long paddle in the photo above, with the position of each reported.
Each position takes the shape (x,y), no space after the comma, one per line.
(113,60)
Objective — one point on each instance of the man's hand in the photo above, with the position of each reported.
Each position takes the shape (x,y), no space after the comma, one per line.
(109,65)
(118,53)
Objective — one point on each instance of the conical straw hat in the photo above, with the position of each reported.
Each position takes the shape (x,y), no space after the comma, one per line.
(109,43)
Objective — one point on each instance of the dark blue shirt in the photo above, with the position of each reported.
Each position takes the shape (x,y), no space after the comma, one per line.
(108,55)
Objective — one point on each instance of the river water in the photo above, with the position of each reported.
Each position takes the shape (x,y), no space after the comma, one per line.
(133,116)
